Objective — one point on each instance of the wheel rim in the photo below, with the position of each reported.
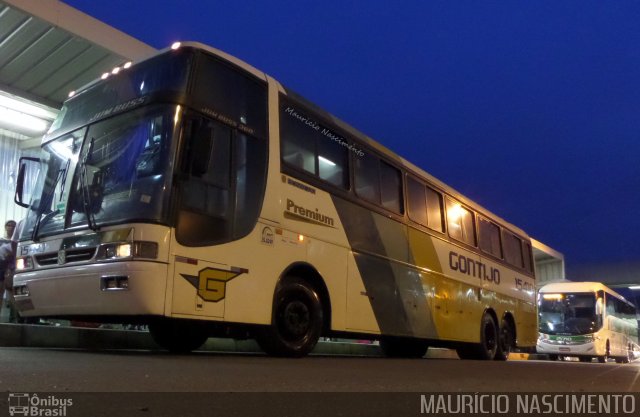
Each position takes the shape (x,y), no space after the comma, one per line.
(295,320)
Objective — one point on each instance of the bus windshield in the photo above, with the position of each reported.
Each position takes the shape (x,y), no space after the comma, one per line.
(568,313)
(113,171)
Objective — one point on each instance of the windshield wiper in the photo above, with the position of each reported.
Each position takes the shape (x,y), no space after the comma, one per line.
(62,175)
(86,192)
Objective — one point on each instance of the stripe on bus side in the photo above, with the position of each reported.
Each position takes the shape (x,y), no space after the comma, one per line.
(396,291)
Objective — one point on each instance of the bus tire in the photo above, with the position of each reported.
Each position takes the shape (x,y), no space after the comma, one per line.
(506,341)
(403,347)
(488,346)
(178,336)
(297,320)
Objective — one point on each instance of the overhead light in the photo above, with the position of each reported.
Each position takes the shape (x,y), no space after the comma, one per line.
(24,117)
(22,121)
(326,161)
(127,65)
(634,287)
(175,45)
(23,106)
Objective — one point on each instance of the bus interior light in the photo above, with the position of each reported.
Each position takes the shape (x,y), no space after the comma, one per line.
(326,161)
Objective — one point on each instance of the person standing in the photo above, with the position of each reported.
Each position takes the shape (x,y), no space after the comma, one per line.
(8,281)
(7,257)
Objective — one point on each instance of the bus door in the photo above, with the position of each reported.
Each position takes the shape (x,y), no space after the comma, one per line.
(198,286)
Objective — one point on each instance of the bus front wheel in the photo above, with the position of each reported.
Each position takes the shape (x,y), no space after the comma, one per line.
(297,320)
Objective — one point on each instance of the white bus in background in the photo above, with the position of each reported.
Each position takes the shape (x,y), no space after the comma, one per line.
(586,320)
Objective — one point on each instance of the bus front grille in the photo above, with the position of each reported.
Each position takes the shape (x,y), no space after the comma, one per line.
(66,256)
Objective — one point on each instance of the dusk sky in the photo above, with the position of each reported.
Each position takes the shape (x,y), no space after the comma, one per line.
(529,108)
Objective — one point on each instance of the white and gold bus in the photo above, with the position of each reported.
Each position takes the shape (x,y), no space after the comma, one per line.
(197,194)
(586,320)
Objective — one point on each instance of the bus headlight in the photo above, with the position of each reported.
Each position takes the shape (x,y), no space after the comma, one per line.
(124,250)
(24,263)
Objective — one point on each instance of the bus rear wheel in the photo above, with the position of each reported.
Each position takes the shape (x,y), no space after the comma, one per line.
(297,320)
(403,347)
(488,346)
(506,341)
(178,336)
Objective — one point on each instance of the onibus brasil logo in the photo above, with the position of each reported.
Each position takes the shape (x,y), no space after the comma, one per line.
(34,405)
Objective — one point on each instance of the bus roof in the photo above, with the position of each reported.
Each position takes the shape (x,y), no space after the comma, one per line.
(577,286)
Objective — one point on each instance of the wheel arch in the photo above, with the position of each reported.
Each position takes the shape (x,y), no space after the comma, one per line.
(309,274)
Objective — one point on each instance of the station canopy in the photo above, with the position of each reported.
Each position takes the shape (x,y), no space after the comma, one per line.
(47,50)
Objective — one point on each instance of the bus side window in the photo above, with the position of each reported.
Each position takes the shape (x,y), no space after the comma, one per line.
(391,188)
(526,249)
(460,223)
(489,239)
(416,201)
(367,178)
(306,148)
(435,218)
(512,249)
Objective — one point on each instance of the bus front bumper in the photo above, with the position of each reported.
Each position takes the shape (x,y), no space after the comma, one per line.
(106,289)
(582,349)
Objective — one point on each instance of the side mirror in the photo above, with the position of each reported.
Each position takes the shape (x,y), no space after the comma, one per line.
(201,150)
(18,198)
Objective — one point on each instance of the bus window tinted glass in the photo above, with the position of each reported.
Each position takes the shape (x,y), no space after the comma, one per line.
(512,249)
(165,73)
(391,188)
(220,201)
(231,95)
(434,210)
(298,145)
(307,147)
(367,178)
(332,162)
(527,256)
(489,239)
(460,223)
(416,201)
